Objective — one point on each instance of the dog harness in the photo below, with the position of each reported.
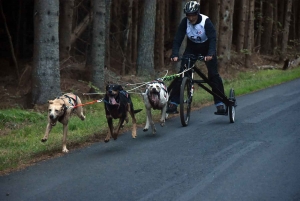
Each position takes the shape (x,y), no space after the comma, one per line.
(72,101)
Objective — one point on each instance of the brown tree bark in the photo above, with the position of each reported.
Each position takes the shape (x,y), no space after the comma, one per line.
(180,5)
(250,36)
(107,34)
(159,36)
(126,38)
(214,11)
(286,29)
(275,28)
(244,5)
(225,33)
(145,61)
(12,50)
(45,74)
(267,27)
(65,27)
(259,17)
(98,45)
(80,28)
(134,35)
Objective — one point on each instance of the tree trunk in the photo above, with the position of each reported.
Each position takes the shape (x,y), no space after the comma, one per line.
(81,27)
(275,29)
(159,36)
(214,11)
(183,45)
(45,74)
(98,44)
(205,7)
(107,34)
(244,5)
(145,61)
(65,27)
(250,36)
(168,12)
(267,26)
(134,34)
(126,38)
(225,33)
(259,25)
(285,35)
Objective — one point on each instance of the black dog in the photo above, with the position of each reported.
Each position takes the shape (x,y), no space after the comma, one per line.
(118,104)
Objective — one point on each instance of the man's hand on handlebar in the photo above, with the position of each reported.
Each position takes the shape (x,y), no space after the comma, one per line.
(208,58)
(174,59)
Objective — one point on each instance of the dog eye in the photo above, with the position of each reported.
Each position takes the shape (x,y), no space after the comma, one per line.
(56,110)
(49,110)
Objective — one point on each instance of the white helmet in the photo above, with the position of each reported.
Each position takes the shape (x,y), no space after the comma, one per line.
(191,7)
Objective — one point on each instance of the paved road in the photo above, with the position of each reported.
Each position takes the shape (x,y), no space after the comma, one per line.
(256,158)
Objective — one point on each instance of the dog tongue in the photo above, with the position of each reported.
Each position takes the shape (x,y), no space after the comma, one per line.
(112,101)
(154,98)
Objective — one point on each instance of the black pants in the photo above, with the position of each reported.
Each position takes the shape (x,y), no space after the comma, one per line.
(213,77)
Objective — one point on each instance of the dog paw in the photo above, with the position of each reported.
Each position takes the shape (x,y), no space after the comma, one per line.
(145,129)
(162,124)
(43,140)
(106,141)
(65,150)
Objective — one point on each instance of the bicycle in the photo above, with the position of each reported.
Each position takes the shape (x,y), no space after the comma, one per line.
(187,90)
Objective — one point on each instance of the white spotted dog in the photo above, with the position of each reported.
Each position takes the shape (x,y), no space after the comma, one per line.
(155,97)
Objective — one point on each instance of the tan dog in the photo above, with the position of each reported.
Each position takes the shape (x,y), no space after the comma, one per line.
(155,97)
(60,109)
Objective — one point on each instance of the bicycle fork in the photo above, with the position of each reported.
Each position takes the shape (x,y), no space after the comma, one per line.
(192,83)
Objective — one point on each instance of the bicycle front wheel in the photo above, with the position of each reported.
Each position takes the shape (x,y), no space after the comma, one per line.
(185,101)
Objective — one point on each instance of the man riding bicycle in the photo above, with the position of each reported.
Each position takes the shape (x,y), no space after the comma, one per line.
(201,39)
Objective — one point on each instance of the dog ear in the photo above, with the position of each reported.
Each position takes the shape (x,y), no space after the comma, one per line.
(50,101)
(120,88)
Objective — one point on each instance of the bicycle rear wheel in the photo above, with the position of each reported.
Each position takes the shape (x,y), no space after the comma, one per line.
(185,101)
(231,107)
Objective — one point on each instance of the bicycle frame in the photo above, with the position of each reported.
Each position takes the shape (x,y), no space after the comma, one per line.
(205,80)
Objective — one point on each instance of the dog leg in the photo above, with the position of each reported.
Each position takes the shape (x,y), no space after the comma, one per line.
(110,130)
(121,122)
(48,129)
(163,115)
(133,133)
(150,121)
(125,121)
(147,121)
(64,142)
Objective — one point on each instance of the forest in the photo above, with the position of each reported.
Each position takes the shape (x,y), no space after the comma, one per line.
(44,42)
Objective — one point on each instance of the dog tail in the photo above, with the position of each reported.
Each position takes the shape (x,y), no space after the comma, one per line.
(136,111)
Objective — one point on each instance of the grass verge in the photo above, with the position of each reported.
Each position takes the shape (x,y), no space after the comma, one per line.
(22,130)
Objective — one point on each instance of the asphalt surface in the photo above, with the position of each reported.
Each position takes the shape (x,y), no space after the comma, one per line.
(255,158)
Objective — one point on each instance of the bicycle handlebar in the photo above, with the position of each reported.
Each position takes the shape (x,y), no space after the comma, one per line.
(193,57)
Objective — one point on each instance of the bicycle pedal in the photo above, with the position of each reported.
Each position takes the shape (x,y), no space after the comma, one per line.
(221,113)
(175,112)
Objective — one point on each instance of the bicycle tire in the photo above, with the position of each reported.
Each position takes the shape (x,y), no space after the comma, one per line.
(185,101)
(231,107)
